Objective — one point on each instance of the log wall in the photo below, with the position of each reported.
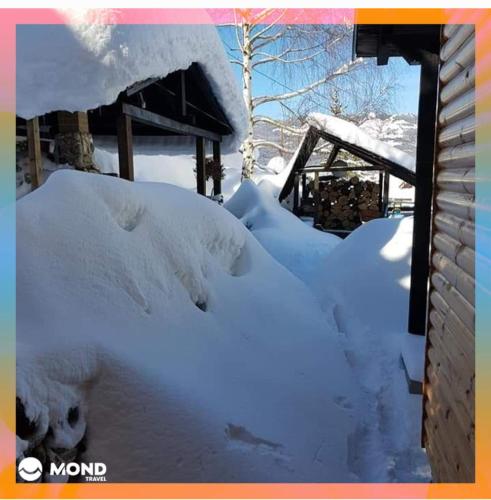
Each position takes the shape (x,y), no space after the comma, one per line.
(448,413)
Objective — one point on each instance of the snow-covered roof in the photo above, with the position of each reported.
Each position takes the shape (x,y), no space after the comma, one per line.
(83,66)
(352,134)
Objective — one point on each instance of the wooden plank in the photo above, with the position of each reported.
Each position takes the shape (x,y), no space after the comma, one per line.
(34,152)
(418,295)
(200,166)
(125,148)
(217,183)
(309,141)
(159,121)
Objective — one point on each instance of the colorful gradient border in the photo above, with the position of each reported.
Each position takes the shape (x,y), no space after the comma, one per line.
(481,489)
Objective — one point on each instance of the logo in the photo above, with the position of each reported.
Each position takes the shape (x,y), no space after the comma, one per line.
(92,472)
(30,469)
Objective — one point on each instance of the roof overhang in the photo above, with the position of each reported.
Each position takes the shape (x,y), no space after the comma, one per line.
(384,41)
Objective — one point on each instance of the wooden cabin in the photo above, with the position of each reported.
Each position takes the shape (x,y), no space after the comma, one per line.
(180,104)
(442,304)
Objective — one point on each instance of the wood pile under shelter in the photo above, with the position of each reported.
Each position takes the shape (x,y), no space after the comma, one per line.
(337,198)
(341,202)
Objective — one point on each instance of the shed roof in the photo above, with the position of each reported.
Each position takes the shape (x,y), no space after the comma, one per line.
(87,66)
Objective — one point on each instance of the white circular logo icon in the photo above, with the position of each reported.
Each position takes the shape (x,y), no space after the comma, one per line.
(30,469)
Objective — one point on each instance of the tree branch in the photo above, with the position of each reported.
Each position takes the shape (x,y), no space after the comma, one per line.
(274,145)
(281,125)
(273,58)
(342,70)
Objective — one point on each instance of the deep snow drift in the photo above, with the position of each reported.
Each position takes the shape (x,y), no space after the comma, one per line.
(289,240)
(189,352)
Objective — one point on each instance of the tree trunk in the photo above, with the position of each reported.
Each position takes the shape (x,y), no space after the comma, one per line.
(248,161)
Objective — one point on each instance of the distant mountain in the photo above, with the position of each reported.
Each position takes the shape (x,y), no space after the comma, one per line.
(398,130)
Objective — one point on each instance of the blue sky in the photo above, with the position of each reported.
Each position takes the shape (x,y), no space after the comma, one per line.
(405,98)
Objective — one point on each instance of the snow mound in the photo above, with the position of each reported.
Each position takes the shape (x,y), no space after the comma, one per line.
(351,133)
(371,269)
(289,240)
(77,67)
(185,350)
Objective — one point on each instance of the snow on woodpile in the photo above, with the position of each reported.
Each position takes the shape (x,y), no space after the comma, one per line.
(290,241)
(78,67)
(188,353)
(352,134)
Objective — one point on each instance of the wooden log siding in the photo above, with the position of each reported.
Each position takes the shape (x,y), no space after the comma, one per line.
(448,408)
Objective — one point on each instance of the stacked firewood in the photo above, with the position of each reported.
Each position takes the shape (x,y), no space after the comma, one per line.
(344,203)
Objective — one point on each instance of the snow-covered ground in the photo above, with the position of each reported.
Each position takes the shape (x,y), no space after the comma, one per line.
(154,309)
(191,353)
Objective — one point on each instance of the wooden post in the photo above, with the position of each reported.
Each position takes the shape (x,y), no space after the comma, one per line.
(317,198)
(304,186)
(380,193)
(125,148)
(182,93)
(385,196)
(296,186)
(34,151)
(300,159)
(200,166)
(420,263)
(217,183)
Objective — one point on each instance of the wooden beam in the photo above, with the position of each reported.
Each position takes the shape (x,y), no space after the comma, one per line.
(34,152)
(155,120)
(309,141)
(332,156)
(125,148)
(353,168)
(425,152)
(395,169)
(200,166)
(217,183)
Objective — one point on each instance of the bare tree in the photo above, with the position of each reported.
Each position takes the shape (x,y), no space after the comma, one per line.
(308,62)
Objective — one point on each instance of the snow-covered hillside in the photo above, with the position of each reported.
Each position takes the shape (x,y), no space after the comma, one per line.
(188,351)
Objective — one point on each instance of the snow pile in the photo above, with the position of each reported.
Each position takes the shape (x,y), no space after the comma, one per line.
(368,277)
(351,133)
(78,67)
(289,240)
(152,318)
